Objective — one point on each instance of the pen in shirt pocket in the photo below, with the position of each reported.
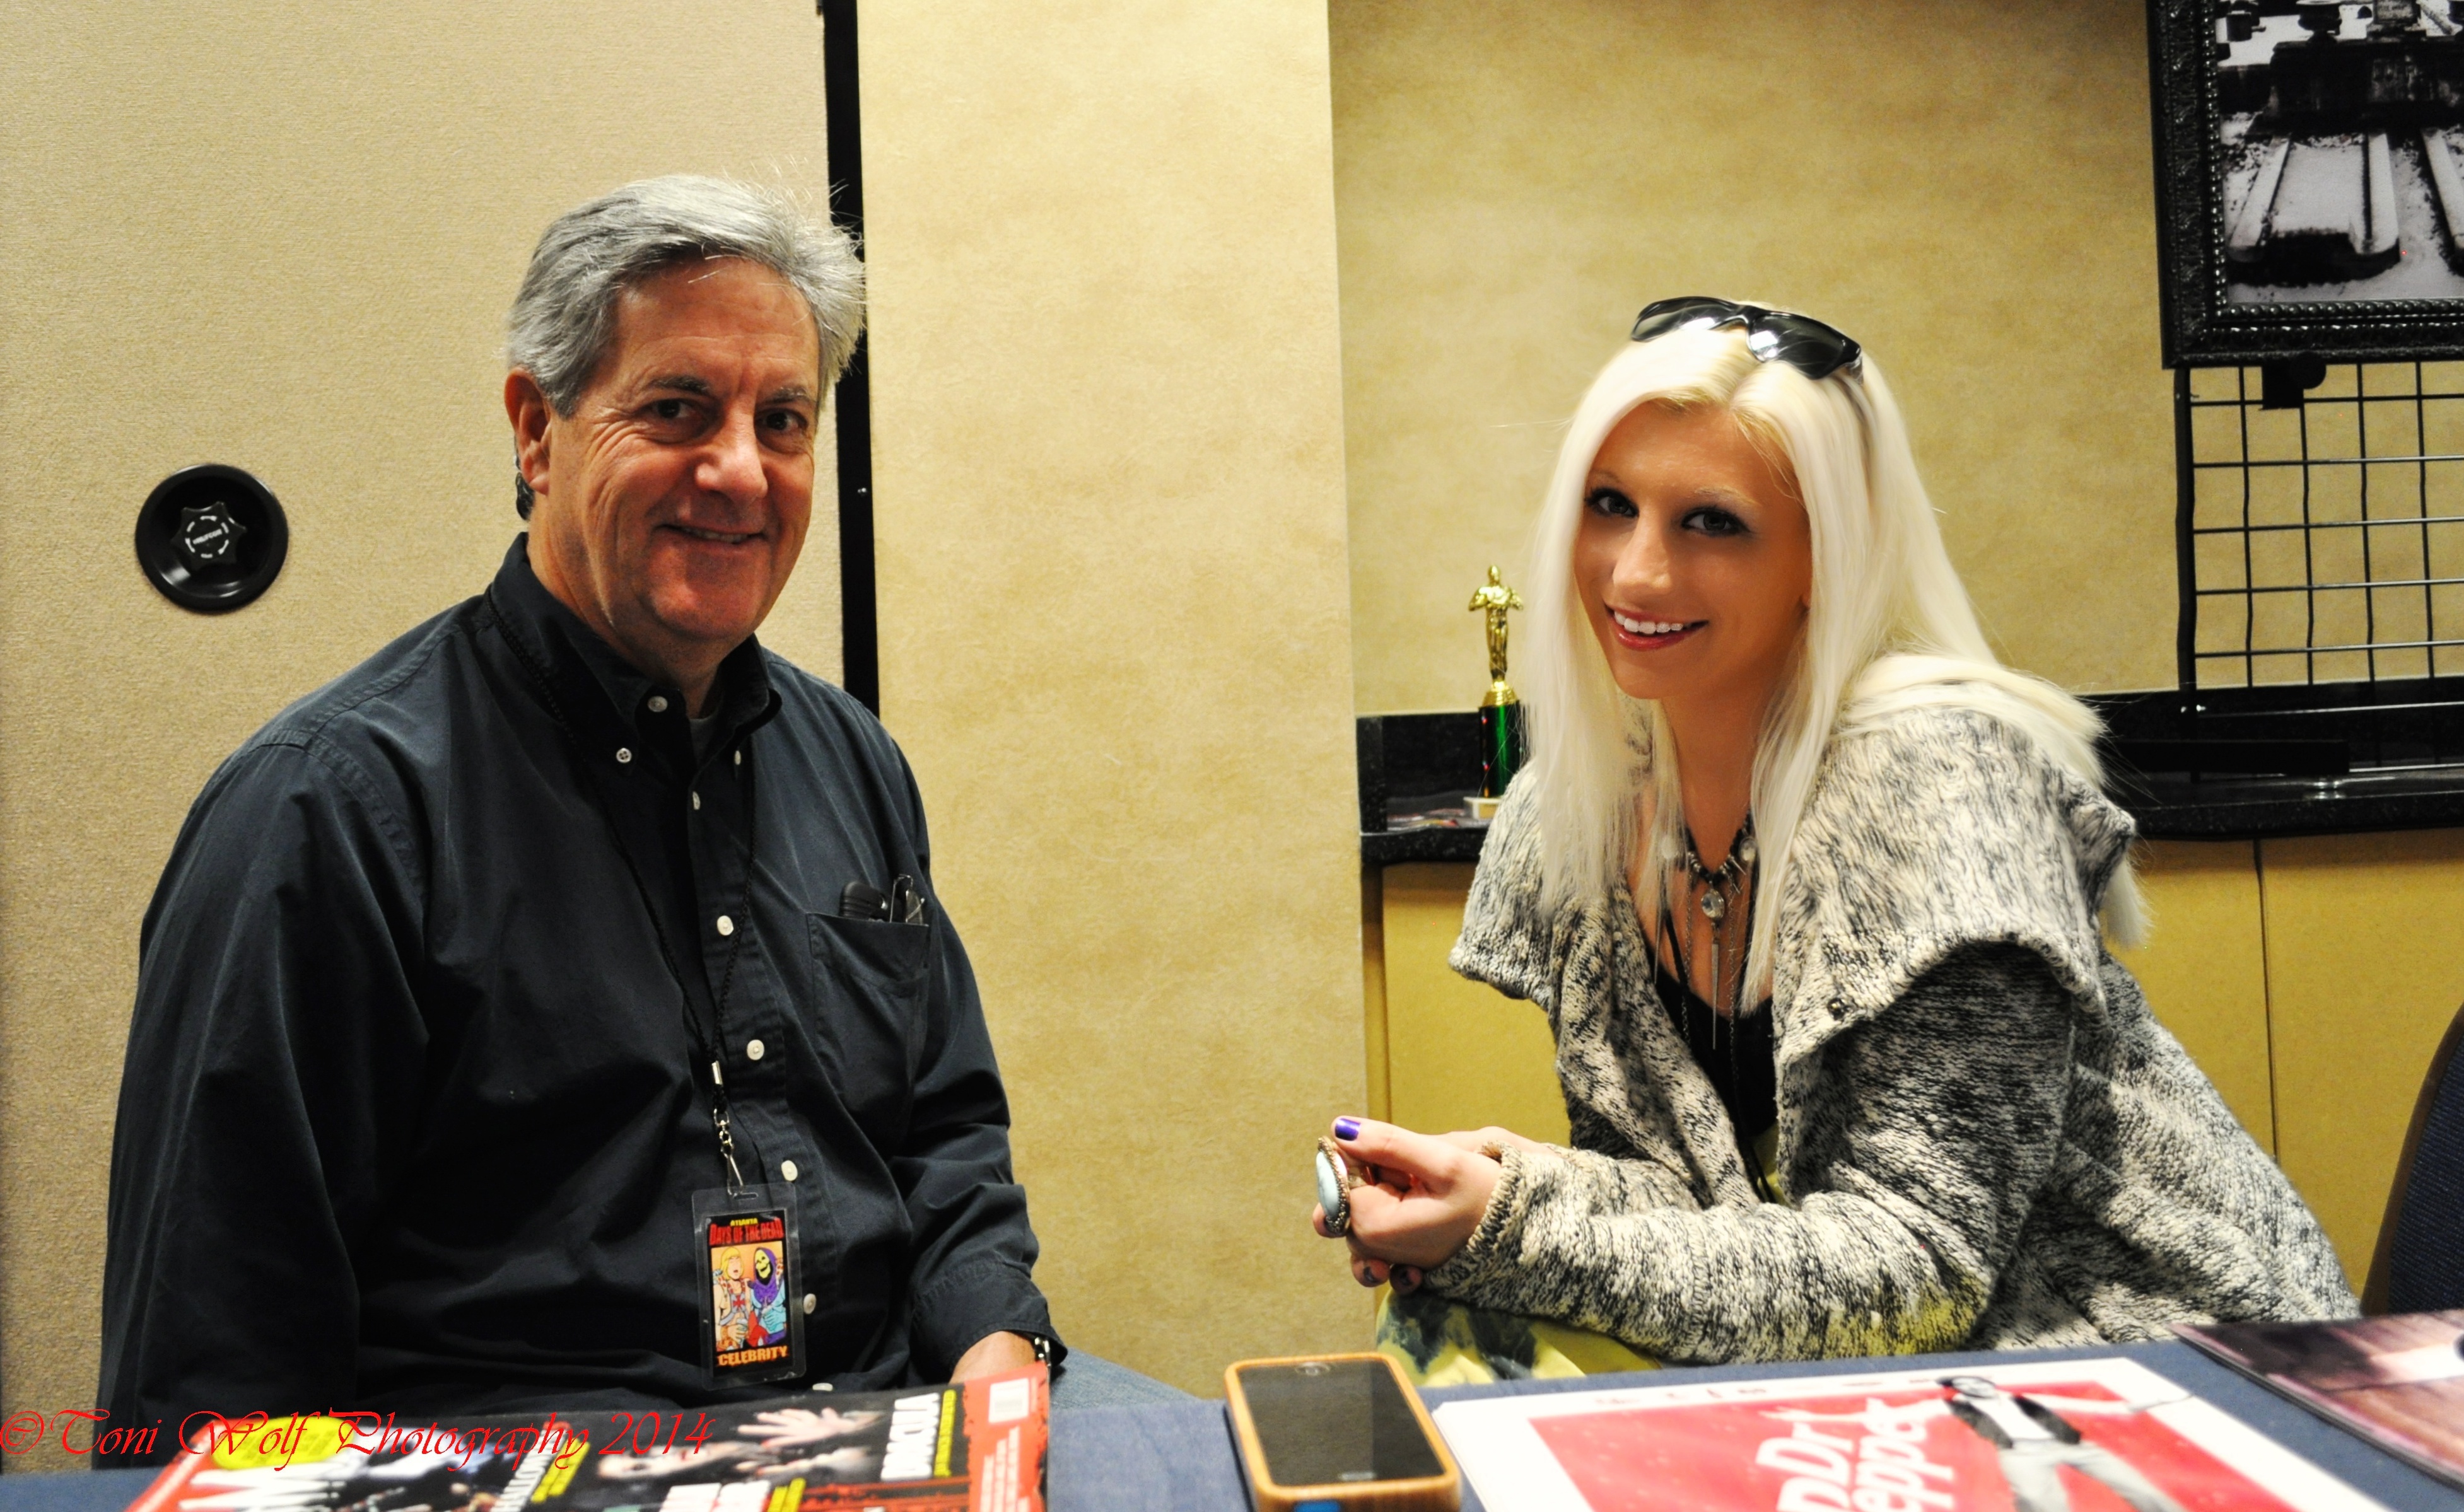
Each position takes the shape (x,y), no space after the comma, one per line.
(904,903)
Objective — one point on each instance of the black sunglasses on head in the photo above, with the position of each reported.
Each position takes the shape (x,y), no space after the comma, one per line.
(1801,342)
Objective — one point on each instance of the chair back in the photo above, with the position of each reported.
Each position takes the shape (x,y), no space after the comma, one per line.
(2419,1267)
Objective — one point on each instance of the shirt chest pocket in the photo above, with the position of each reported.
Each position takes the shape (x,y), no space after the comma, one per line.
(868,1006)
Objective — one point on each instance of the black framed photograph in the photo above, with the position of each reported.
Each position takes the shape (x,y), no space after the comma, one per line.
(2309,179)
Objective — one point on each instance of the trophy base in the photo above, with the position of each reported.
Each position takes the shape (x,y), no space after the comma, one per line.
(1500,749)
(1485,809)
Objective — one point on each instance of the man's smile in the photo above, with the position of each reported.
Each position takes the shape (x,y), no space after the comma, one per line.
(719,536)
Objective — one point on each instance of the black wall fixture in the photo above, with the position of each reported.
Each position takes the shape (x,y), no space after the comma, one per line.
(211,537)
(859,627)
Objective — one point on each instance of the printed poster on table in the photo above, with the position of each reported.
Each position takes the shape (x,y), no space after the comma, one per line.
(977,1446)
(2065,1436)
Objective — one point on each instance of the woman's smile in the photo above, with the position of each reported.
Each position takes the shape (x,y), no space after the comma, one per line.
(1645,634)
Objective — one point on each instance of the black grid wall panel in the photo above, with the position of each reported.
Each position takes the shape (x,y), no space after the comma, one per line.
(2326,538)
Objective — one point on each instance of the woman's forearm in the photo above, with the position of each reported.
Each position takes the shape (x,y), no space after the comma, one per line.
(1928,1134)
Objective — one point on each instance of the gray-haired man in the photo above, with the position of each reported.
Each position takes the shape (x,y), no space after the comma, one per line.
(556,1010)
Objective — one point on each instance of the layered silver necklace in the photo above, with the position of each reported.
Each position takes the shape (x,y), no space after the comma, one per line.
(1721,893)
(1724,884)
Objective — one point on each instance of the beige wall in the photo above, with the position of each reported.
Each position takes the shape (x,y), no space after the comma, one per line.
(283,237)
(1118,620)
(1962,185)
(1109,450)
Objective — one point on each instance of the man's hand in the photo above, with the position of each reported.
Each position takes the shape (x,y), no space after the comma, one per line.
(993,1354)
(1423,1198)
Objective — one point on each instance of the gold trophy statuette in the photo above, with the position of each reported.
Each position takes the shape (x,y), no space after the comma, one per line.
(1501,713)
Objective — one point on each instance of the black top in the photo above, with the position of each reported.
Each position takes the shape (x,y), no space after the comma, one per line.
(1735,1054)
(411,1118)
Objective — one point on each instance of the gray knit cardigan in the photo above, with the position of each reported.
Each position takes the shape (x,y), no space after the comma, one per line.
(1985,1139)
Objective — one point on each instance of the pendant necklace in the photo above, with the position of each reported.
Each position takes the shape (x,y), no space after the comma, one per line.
(1722,888)
(1722,896)
(1720,885)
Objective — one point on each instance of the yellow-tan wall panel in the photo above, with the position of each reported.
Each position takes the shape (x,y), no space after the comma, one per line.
(1460,1054)
(282,237)
(2204,967)
(2365,970)
(1965,188)
(1109,450)
(1378,1090)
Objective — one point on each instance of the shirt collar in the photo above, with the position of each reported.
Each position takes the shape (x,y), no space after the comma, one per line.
(586,672)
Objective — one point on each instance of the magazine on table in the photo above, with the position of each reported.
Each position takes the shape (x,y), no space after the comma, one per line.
(2063,1435)
(2397,1381)
(976,1446)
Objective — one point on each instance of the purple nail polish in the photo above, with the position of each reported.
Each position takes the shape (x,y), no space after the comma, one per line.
(1346,1129)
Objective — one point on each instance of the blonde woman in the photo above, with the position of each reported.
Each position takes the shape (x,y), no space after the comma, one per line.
(1815,894)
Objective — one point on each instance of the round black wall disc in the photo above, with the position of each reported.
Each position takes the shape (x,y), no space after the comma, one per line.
(211,537)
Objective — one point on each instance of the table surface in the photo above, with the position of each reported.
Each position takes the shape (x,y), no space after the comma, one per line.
(1178,1457)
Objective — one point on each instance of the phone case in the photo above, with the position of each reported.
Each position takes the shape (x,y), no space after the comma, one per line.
(1438,1493)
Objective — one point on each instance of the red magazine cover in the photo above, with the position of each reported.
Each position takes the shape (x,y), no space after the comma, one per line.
(2069,1436)
(976,1447)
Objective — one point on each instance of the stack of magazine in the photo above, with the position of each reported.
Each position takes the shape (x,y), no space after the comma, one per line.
(2397,1381)
(974,1447)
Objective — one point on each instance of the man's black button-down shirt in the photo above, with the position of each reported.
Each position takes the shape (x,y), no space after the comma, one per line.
(413,1114)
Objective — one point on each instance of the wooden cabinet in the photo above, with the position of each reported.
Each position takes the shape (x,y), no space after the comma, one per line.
(2365,970)
(2205,967)
(1458,1053)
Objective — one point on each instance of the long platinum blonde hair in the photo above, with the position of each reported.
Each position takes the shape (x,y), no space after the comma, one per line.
(1889,627)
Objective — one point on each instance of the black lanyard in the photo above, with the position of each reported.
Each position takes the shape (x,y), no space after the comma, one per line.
(704,1040)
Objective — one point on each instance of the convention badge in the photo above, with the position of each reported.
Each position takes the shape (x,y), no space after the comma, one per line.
(752,1314)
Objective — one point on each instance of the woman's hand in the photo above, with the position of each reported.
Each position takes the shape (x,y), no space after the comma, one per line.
(1420,1198)
(1490,1140)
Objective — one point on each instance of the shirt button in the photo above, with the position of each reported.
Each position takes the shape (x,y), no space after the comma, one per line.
(726,925)
(696,797)
(809,1304)
(787,1169)
(658,705)
(755,1049)
(623,754)
(739,756)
